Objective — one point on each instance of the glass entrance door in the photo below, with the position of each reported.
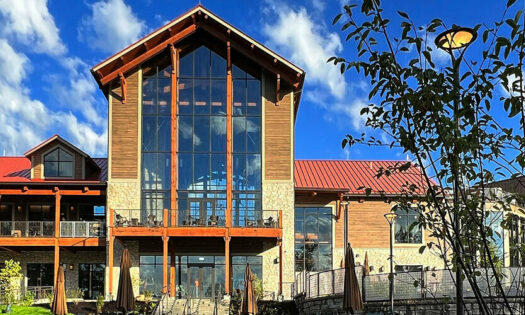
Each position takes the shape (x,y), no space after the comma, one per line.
(91,280)
(200,281)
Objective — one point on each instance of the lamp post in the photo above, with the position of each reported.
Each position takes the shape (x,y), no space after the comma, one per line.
(345,218)
(390,217)
(457,38)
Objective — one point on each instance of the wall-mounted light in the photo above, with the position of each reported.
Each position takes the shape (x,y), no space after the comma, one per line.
(19,208)
(72,208)
(71,267)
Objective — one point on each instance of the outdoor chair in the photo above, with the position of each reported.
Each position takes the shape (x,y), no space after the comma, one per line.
(121,221)
(213,220)
(269,222)
(151,220)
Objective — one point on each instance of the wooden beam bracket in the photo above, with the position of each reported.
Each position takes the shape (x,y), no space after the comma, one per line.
(123,87)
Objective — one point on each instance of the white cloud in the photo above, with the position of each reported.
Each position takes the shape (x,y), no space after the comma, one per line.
(30,23)
(76,91)
(310,49)
(12,64)
(111,26)
(27,121)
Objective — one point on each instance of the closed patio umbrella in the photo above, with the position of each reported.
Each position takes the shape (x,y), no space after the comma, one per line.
(59,306)
(125,297)
(249,300)
(352,295)
(367,267)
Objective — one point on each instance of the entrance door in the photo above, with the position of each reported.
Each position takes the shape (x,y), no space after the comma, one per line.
(200,281)
(91,280)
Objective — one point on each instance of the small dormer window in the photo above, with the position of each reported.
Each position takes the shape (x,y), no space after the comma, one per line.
(58,163)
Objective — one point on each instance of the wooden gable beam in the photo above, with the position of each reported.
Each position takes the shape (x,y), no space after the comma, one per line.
(148,54)
(123,87)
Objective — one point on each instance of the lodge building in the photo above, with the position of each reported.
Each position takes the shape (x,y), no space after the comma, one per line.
(200,179)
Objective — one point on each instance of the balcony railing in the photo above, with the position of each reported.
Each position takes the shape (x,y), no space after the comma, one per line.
(27,228)
(82,229)
(155,218)
(138,217)
(257,219)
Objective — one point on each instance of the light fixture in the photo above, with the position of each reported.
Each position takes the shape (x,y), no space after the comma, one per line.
(19,208)
(72,208)
(390,217)
(455,38)
(71,267)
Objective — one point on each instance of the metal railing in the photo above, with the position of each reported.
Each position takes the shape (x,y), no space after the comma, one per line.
(426,284)
(82,228)
(27,228)
(138,217)
(39,292)
(257,219)
(186,219)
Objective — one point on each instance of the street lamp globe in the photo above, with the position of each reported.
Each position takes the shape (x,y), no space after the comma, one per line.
(456,38)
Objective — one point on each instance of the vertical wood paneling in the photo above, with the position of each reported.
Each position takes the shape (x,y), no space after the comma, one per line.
(124,124)
(277,132)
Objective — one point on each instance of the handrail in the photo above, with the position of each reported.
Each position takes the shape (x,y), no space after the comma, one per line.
(188,302)
(163,300)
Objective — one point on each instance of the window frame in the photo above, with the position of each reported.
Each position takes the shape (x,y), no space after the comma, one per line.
(409,233)
(73,162)
(331,241)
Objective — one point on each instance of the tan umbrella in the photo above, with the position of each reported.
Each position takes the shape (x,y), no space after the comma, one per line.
(367,267)
(125,296)
(59,306)
(249,300)
(352,295)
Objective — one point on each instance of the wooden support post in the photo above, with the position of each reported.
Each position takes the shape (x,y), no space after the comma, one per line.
(165,240)
(172,269)
(227,276)
(229,142)
(280,243)
(280,219)
(174,132)
(111,240)
(57,214)
(56,261)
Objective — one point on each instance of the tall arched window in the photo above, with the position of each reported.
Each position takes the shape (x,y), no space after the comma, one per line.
(58,163)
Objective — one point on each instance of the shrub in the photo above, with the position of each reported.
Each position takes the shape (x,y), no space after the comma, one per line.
(28,299)
(50,296)
(10,277)
(100,303)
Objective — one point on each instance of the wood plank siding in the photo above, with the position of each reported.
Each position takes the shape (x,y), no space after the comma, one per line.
(37,166)
(124,126)
(277,132)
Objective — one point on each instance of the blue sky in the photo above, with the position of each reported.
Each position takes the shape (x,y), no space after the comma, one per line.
(48,47)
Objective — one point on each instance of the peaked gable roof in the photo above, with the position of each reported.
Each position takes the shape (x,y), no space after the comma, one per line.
(180,28)
(347,176)
(53,138)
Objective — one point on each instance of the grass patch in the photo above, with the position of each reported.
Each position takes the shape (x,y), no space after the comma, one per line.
(28,310)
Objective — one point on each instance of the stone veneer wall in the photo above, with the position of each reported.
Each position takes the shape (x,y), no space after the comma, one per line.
(379,257)
(279,195)
(123,194)
(47,257)
(133,247)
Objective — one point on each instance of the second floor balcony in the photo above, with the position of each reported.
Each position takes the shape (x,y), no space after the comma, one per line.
(195,218)
(33,229)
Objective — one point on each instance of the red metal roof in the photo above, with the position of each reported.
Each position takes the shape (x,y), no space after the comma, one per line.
(348,176)
(17,169)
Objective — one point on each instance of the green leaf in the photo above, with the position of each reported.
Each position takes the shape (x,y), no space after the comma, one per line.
(403,14)
(337,17)
(510,3)
(422,249)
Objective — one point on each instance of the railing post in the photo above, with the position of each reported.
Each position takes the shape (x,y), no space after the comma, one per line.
(280,219)
(333,280)
(423,291)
